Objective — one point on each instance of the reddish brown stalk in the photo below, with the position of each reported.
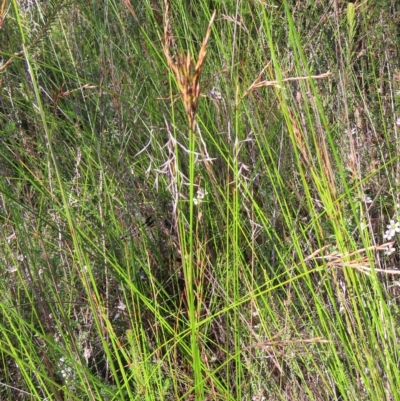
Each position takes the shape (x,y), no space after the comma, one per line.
(187,74)
(131,10)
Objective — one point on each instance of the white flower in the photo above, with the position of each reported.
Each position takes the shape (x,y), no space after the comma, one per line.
(392,228)
(389,250)
(121,305)
(215,94)
(201,193)
(387,235)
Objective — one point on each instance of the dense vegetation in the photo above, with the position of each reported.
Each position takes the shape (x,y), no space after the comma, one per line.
(199,204)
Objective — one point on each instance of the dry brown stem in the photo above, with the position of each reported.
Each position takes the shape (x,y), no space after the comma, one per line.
(259,84)
(360,263)
(131,10)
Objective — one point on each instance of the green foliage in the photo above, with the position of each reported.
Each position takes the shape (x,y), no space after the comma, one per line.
(242,260)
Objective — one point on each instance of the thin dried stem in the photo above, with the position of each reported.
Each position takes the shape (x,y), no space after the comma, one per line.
(259,84)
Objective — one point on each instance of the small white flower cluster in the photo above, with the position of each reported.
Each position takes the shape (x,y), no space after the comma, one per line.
(392,229)
(201,194)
